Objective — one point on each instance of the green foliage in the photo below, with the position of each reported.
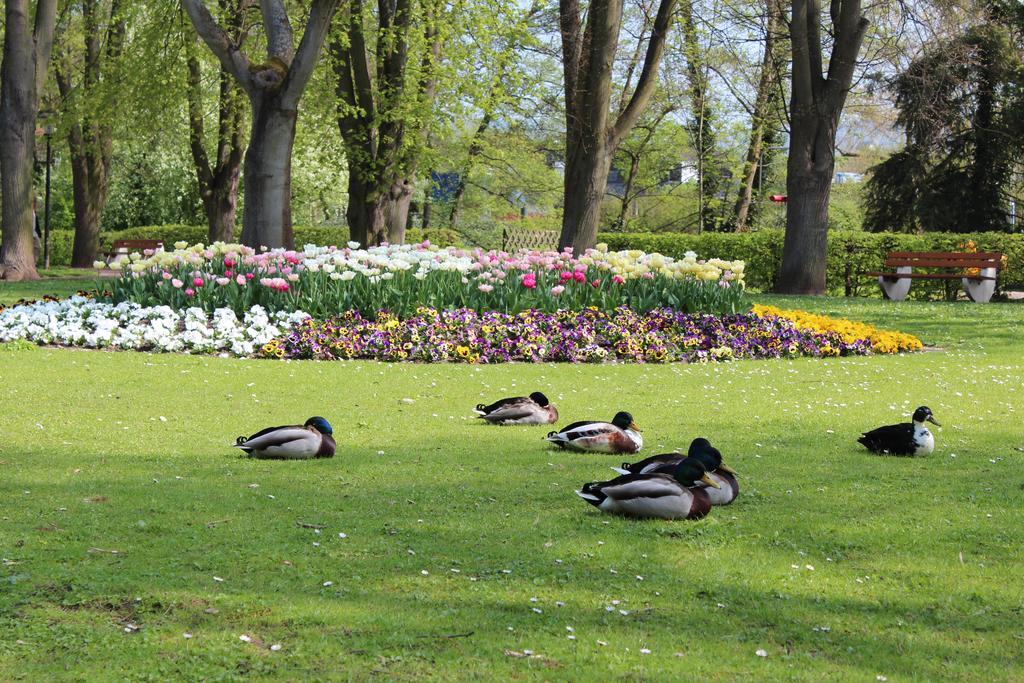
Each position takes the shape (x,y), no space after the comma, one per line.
(850,252)
(958,104)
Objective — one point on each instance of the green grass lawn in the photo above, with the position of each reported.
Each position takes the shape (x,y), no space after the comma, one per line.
(465,546)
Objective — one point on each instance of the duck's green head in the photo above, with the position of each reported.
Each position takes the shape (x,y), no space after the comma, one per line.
(690,471)
(319,424)
(708,455)
(624,420)
(540,399)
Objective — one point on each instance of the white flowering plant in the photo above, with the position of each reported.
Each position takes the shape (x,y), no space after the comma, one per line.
(81,321)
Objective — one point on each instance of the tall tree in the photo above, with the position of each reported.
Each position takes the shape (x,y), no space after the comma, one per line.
(22,76)
(960,104)
(816,103)
(82,73)
(592,136)
(702,124)
(218,179)
(763,114)
(385,65)
(274,89)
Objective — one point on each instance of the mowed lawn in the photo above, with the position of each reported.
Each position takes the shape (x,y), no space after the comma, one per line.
(129,522)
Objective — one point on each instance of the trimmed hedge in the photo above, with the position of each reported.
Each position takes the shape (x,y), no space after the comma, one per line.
(850,252)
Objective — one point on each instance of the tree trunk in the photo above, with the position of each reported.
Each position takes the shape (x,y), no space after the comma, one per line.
(586,178)
(592,135)
(267,217)
(816,103)
(89,186)
(220,203)
(17,132)
(399,200)
(366,213)
(23,71)
(804,251)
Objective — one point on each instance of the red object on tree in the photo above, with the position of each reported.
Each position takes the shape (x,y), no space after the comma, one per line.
(777,198)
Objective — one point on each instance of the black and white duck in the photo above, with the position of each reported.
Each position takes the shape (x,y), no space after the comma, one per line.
(534,409)
(314,439)
(621,435)
(908,438)
(664,496)
(708,455)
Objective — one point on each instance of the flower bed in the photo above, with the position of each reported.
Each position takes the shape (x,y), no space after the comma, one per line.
(326,281)
(660,335)
(881,341)
(79,321)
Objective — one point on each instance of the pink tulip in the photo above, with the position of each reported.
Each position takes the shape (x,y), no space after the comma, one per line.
(240,280)
(248,276)
(579,276)
(176,283)
(486,288)
(190,292)
(293,277)
(166,275)
(198,282)
(556,290)
(223,281)
(566,275)
(530,281)
(617,279)
(595,283)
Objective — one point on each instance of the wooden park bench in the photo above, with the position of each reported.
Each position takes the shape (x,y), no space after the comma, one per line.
(124,247)
(977,272)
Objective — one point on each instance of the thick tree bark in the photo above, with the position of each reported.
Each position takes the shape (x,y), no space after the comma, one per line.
(267,216)
(274,90)
(588,55)
(399,201)
(366,213)
(26,58)
(816,104)
(761,117)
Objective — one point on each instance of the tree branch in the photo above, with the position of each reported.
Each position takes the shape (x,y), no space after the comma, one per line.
(42,38)
(280,40)
(648,76)
(231,57)
(312,42)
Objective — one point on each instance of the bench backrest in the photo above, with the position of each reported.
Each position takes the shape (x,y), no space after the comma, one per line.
(514,239)
(943,259)
(136,245)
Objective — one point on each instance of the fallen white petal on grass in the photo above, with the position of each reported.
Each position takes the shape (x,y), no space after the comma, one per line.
(761,653)
(244,638)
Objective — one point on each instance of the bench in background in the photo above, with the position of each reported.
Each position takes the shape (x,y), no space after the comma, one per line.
(125,247)
(977,272)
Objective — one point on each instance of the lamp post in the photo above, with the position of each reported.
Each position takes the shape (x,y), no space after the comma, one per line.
(48,132)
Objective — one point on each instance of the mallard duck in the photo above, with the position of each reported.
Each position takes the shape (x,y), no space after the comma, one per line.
(621,435)
(534,409)
(292,442)
(708,455)
(911,438)
(665,496)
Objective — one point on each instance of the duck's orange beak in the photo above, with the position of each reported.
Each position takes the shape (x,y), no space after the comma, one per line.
(709,481)
(726,468)
(633,426)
